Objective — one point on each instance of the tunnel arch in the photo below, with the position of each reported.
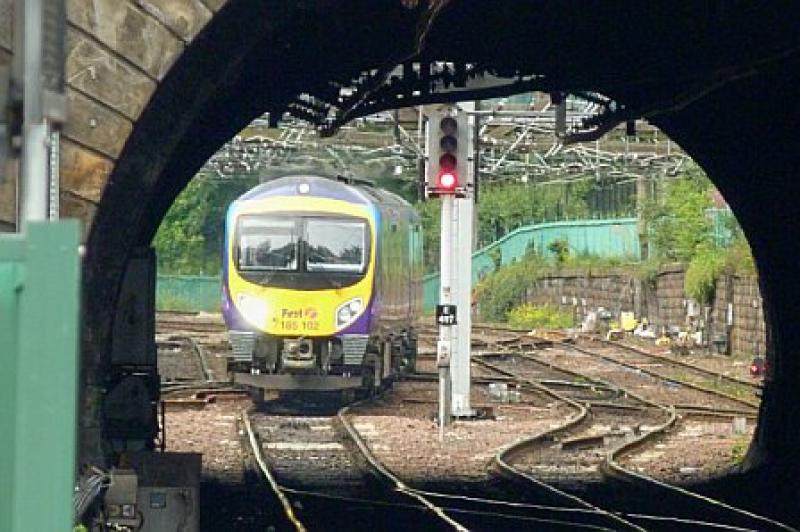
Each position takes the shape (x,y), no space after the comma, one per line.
(741,133)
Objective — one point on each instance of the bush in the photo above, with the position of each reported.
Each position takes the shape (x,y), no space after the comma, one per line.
(739,258)
(545,317)
(500,291)
(702,273)
(559,248)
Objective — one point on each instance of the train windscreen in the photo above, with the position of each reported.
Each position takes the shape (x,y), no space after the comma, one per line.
(267,243)
(304,251)
(335,245)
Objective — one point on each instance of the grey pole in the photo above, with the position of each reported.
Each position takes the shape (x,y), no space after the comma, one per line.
(33,185)
(43,102)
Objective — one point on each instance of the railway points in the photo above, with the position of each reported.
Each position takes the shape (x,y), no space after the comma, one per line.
(571,470)
(594,453)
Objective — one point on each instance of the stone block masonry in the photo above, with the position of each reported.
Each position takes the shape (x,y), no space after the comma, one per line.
(661,299)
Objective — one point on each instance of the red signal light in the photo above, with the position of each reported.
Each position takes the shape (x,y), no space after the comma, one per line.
(758,366)
(448,181)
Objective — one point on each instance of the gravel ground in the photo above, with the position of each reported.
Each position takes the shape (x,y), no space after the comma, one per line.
(213,431)
(657,390)
(233,495)
(402,433)
(401,422)
(733,366)
(558,462)
(715,449)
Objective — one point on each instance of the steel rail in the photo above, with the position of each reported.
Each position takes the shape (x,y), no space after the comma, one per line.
(199,354)
(612,469)
(387,476)
(424,495)
(276,488)
(503,458)
(616,470)
(658,375)
(698,369)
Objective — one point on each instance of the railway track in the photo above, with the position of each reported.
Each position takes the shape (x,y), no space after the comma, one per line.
(322,464)
(659,380)
(732,394)
(188,322)
(615,425)
(588,448)
(326,479)
(735,386)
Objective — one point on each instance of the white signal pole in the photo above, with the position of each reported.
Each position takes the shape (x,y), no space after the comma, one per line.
(461,254)
(446,347)
(453,311)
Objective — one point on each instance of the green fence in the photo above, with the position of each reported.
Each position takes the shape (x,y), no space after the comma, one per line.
(603,238)
(39,287)
(192,293)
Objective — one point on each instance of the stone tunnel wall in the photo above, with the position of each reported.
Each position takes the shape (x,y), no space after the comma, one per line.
(662,300)
(117,52)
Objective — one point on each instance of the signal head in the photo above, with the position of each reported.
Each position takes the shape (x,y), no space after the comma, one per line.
(448,144)
(448,162)
(448,125)
(447,154)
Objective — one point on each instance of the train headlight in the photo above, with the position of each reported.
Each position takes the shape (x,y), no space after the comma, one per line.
(253,309)
(348,312)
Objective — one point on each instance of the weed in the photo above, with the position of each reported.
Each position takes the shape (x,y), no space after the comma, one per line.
(545,316)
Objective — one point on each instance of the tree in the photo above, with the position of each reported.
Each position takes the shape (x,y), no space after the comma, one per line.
(189,240)
(680,225)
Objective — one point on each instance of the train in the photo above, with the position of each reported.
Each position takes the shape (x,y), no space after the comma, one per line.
(321,285)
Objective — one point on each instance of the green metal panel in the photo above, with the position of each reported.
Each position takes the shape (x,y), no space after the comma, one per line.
(39,322)
(188,293)
(603,238)
(722,220)
(8,387)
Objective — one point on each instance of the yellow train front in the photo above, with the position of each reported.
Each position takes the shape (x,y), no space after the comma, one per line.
(321,284)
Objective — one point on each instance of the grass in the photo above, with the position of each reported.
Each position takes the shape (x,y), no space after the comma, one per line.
(174,302)
(739,449)
(529,316)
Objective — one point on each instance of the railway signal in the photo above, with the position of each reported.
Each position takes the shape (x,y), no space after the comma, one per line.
(447,171)
(448,175)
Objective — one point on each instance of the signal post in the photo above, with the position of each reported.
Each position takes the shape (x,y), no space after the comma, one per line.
(448,175)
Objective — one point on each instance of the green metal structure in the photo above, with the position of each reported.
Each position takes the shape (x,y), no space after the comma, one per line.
(39,300)
(602,238)
(192,293)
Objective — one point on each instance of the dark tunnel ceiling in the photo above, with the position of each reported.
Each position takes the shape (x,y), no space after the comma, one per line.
(653,65)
